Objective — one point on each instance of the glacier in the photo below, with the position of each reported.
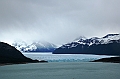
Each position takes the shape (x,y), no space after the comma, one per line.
(64,57)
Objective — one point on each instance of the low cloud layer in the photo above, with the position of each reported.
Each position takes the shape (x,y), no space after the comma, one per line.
(57,21)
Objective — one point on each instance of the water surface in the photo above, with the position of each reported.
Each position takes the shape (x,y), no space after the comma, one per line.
(61,70)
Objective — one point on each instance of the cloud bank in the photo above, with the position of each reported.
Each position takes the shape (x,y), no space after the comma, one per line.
(57,21)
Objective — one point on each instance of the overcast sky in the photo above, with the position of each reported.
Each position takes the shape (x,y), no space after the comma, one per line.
(57,21)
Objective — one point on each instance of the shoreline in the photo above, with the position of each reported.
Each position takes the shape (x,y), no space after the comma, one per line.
(109,60)
(4,64)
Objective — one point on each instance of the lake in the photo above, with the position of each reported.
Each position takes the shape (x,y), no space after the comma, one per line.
(61,70)
(62,66)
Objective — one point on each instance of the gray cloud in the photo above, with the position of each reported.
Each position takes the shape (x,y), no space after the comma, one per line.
(57,21)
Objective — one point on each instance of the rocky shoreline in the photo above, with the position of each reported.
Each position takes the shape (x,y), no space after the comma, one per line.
(111,60)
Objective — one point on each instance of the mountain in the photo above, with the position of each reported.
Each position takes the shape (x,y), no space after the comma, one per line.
(10,55)
(39,46)
(107,45)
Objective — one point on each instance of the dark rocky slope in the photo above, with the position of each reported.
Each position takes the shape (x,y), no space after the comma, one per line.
(111,59)
(10,55)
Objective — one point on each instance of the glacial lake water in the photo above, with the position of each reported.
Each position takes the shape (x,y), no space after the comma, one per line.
(62,67)
(61,70)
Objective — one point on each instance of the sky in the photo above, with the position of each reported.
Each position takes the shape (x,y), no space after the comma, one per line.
(57,21)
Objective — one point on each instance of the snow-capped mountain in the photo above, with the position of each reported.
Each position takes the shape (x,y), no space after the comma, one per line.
(110,38)
(93,45)
(38,46)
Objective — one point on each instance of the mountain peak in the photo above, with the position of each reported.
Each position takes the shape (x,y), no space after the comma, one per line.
(107,45)
(36,46)
(111,35)
(80,38)
(95,40)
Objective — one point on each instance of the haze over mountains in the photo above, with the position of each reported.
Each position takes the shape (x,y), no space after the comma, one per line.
(107,45)
(37,46)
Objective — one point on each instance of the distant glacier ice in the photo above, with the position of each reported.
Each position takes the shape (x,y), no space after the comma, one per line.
(64,57)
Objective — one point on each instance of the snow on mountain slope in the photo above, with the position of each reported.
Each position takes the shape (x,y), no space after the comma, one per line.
(107,45)
(94,40)
(38,46)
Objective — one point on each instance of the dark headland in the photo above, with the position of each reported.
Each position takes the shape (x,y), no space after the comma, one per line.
(111,60)
(10,55)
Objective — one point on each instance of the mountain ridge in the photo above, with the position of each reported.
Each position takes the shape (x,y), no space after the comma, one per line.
(36,46)
(106,45)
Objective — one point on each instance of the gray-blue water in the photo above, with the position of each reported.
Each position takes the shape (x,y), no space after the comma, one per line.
(61,70)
